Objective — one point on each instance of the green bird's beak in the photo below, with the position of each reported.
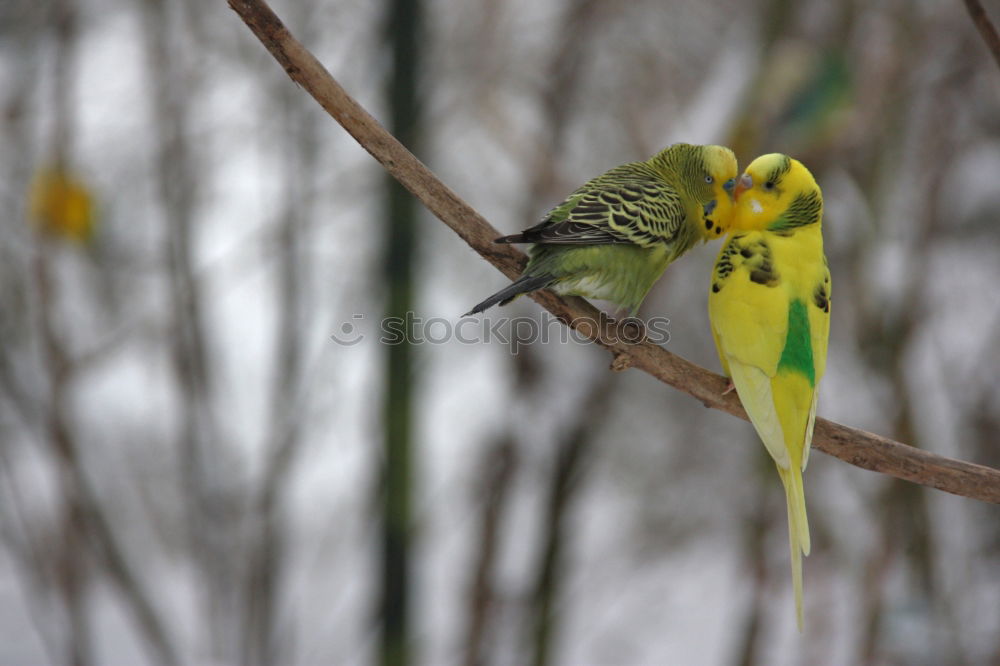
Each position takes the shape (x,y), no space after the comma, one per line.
(728,187)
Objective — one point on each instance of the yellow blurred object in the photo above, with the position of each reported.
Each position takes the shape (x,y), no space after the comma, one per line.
(62,205)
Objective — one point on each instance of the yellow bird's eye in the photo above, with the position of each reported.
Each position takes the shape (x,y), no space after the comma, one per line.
(769,185)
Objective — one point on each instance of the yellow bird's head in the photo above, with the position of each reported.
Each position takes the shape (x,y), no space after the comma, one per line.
(776,193)
(715,189)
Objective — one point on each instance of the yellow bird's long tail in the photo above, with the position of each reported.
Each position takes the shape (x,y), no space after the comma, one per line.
(798,529)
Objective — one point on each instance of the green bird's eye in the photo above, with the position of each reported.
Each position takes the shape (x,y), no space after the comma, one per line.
(709,180)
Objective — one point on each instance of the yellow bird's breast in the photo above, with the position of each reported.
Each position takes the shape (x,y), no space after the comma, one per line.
(757,277)
(799,259)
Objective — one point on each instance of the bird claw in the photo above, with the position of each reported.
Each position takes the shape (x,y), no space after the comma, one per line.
(730,386)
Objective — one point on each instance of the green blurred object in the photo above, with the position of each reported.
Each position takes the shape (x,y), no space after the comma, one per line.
(800,102)
(813,111)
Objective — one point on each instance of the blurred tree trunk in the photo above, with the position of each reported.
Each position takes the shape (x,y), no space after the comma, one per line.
(889,330)
(268,548)
(206,479)
(760,518)
(493,489)
(568,472)
(71,570)
(567,69)
(403,26)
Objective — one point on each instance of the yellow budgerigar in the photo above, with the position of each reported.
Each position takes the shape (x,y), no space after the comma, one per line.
(769,305)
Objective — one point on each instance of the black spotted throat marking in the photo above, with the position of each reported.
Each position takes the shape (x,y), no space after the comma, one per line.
(754,255)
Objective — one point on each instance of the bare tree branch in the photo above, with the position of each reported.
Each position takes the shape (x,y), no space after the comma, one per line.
(985,27)
(857,447)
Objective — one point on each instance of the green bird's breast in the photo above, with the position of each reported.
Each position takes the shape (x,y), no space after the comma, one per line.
(619,273)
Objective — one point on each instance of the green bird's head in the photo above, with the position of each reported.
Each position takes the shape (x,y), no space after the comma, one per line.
(706,174)
(776,193)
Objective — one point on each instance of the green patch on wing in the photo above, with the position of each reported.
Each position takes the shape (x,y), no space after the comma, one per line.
(797,356)
(804,210)
(561,212)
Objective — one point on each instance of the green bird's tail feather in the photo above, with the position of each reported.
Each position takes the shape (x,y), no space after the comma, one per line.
(798,529)
(522,285)
(513,238)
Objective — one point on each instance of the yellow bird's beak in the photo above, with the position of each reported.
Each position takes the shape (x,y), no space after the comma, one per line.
(744,183)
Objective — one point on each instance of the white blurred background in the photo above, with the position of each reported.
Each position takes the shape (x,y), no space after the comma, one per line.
(193,472)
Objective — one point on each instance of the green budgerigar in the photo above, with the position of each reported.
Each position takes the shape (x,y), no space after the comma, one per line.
(614,236)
